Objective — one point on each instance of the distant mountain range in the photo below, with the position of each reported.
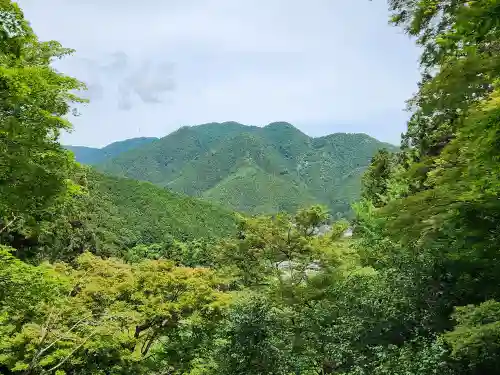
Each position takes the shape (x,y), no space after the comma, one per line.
(91,155)
(246,168)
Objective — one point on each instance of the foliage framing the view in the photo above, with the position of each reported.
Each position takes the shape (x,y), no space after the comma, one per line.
(34,168)
(414,291)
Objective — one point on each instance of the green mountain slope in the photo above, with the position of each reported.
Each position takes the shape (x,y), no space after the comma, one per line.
(253,169)
(215,165)
(90,155)
(333,166)
(162,161)
(253,190)
(125,212)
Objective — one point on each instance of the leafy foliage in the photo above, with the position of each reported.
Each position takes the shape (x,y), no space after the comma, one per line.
(414,291)
(108,216)
(442,231)
(34,101)
(376,178)
(105,310)
(125,213)
(461,65)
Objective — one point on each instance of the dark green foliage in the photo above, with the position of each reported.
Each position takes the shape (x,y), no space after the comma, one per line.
(90,155)
(253,190)
(376,178)
(415,357)
(415,291)
(442,233)
(475,341)
(124,213)
(253,340)
(252,169)
(461,63)
(192,253)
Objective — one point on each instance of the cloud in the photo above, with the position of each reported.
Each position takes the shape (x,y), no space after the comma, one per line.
(120,63)
(125,80)
(149,81)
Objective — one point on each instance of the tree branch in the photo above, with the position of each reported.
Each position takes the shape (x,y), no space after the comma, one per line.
(72,352)
(8,224)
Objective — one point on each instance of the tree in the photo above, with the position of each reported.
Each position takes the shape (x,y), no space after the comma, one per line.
(376,178)
(439,241)
(252,340)
(475,341)
(274,247)
(461,63)
(101,315)
(34,168)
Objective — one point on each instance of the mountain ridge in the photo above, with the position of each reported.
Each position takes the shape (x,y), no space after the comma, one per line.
(272,167)
(93,155)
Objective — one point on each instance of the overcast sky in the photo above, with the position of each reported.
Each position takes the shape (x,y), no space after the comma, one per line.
(154,65)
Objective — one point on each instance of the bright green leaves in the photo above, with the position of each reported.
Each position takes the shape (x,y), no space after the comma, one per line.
(34,99)
(101,314)
(461,62)
(475,341)
(438,238)
(279,246)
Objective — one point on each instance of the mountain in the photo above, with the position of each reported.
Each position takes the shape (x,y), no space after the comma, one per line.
(90,155)
(125,212)
(253,169)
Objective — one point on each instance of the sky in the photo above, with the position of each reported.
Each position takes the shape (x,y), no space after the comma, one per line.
(152,66)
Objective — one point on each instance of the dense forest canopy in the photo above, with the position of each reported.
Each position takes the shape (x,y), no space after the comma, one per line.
(102,275)
(246,168)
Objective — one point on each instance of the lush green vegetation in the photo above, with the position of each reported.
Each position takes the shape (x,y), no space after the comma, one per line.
(286,169)
(251,187)
(90,155)
(34,100)
(416,290)
(127,212)
(109,216)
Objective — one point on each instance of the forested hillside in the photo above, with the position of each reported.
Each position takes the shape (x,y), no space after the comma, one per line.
(252,169)
(109,216)
(91,155)
(416,290)
(125,212)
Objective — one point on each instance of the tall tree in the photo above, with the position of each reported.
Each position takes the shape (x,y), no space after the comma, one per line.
(460,62)
(34,100)
(443,236)
(376,178)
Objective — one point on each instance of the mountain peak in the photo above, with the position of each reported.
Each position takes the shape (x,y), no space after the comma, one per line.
(280,125)
(285,133)
(221,127)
